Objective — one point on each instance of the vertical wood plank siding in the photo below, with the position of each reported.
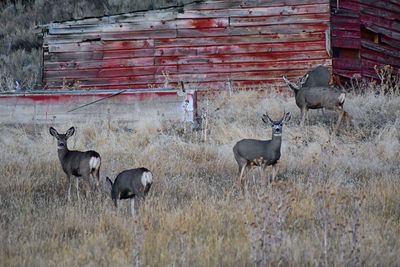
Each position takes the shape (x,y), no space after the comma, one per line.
(249,42)
(365,33)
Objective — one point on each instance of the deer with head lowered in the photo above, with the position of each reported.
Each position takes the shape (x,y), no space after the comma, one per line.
(313,92)
(262,153)
(85,165)
(130,184)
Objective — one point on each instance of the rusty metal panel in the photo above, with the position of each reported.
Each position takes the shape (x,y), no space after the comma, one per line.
(207,43)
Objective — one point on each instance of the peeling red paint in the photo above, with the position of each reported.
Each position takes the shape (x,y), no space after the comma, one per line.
(204,23)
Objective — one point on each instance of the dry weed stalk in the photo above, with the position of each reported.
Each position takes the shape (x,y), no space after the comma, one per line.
(267,229)
(389,80)
(167,79)
(205,114)
(359,86)
(338,219)
(204,121)
(140,231)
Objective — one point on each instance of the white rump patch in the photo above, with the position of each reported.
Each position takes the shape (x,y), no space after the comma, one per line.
(147,178)
(341,98)
(94,163)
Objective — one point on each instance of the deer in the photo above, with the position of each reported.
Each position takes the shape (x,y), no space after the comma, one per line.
(262,153)
(130,184)
(313,92)
(85,165)
(319,76)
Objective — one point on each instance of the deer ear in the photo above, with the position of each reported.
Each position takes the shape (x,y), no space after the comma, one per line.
(288,116)
(303,79)
(53,132)
(285,79)
(70,132)
(109,180)
(263,119)
(267,119)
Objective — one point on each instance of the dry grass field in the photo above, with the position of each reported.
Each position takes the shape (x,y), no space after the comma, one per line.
(336,201)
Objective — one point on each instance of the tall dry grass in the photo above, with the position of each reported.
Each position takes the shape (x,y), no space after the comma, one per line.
(336,202)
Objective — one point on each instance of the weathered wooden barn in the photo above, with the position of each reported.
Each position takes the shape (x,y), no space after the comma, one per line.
(207,43)
(364,33)
(211,42)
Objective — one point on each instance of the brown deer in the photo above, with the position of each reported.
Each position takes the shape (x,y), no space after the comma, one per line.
(76,163)
(313,92)
(263,153)
(131,184)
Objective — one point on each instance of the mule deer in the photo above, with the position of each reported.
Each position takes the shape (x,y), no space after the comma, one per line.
(131,184)
(76,163)
(262,153)
(316,95)
(319,76)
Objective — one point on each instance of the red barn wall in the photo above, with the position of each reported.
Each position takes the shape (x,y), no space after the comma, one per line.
(247,42)
(365,33)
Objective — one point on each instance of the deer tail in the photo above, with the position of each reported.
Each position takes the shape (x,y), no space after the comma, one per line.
(341,98)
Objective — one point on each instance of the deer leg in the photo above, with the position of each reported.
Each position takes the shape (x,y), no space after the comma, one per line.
(97,175)
(69,187)
(348,119)
(116,200)
(241,172)
(260,169)
(87,186)
(77,187)
(94,184)
(307,119)
(274,170)
(341,114)
(133,207)
(303,116)
(241,180)
(263,174)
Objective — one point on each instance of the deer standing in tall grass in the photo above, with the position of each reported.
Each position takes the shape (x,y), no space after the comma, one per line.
(76,163)
(130,184)
(262,153)
(313,92)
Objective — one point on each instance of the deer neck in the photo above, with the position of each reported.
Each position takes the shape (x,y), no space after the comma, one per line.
(276,141)
(294,88)
(296,91)
(62,152)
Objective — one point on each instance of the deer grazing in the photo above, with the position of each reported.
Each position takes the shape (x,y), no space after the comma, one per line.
(77,163)
(262,153)
(319,76)
(130,184)
(313,92)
